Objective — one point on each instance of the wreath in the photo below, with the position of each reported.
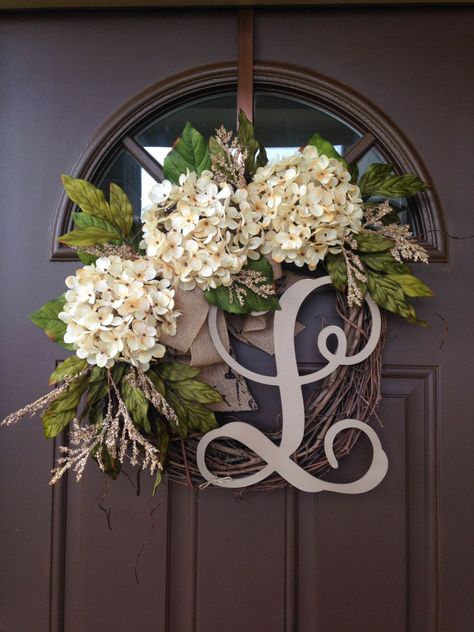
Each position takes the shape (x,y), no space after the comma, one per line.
(230,231)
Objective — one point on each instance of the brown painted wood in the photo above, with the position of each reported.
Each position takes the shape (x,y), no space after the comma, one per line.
(144,159)
(245,62)
(398,559)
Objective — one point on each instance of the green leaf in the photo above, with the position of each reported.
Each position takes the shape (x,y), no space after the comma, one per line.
(401,186)
(379,181)
(163,445)
(137,405)
(225,297)
(354,171)
(384,263)
(157,381)
(337,270)
(46,318)
(175,371)
(87,237)
(201,418)
(88,198)
(410,285)
(121,208)
(181,412)
(63,410)
(195,391)
(326,148)
(112,466)
(70,367)
(84,221)
(190,152)
(373,178)
(389,295)
(371,242)
(86,258)
(256,154)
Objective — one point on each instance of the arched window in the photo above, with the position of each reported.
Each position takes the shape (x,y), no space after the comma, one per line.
(290,105)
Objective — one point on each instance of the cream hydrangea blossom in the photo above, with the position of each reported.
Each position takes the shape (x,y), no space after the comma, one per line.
(305,205)
(116,309)
(196,232)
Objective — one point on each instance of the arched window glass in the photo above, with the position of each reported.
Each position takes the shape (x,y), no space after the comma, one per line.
(290,105)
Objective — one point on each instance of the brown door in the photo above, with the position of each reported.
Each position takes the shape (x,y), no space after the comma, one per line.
(397,559)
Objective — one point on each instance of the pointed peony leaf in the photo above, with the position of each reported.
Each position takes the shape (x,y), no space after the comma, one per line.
(84,221)
(226,298)
(410,285)
(200,418)
(371,242)
(337,270)
(70,367)
(326,148)
(175,371)
(379,181)
(195,391)
(373,178)
(121,208)
(63,410)
(87,197)
(137,405)
(384,263)
(86,258)
(389,295)
(46,318)
(87,237)
(256,154)
(190,153)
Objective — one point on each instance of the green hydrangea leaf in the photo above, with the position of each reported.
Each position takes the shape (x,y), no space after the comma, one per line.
(70,367)
(379,181)
(384,263)
(157,381)
(225,298)
(195,391)
(256,154)
(121,208)
(181,411)
(86,258)
(46,318)
(84,221)
(411,285)
(175,371)
(63,410)
(372,242)
(190,152)
(373,178)
(137,405)
(337,270)
(88,198)
(200,418)
(388,294)
(87,237)
(163,446)
(326,148)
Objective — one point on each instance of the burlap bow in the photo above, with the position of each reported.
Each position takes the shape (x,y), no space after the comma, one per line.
(193,345)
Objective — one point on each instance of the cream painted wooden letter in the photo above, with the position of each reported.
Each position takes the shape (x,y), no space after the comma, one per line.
(289,381)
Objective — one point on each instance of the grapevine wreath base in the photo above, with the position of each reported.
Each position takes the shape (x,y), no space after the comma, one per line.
(349,392)
(203,262)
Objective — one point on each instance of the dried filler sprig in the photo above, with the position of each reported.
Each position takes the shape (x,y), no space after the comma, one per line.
(405,247)
(139,379)
(250,280)
(355,275)
(124,251)
(228,159)
(40,404)
(117,434)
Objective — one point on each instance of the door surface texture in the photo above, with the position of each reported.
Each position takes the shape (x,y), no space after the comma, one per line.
(98,556)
